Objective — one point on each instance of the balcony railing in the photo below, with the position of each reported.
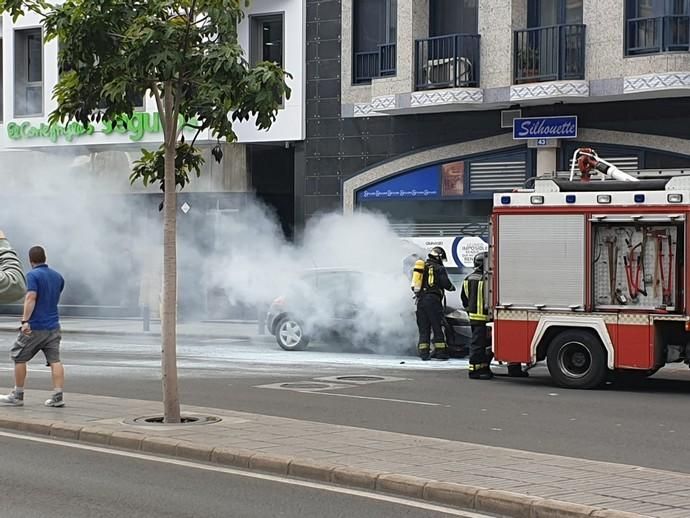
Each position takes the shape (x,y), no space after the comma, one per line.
(661,34)
(550,54)
(379,63)
(450,61)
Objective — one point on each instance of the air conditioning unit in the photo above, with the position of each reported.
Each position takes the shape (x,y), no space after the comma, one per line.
(442,70)
(507,117)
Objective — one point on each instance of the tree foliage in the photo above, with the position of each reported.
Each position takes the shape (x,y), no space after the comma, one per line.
(113,52)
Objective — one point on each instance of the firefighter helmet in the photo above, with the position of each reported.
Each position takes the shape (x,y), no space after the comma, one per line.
(479,260)
(438,253)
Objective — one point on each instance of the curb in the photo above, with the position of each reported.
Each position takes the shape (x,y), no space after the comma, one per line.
(144,334)
(466,497)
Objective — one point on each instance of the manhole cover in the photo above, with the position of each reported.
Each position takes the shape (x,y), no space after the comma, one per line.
(305,385)
(185,420)
(359,378)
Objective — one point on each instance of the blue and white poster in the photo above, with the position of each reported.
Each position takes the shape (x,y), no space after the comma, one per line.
(424,183)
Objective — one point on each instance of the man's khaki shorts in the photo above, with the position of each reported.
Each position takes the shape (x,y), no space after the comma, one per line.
(28,346)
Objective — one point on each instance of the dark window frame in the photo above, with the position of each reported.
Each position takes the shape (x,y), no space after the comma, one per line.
(22,69)
(434,5)
(380,58)
(668,19)
(256,42)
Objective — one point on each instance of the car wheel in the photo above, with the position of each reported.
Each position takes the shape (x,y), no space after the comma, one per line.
(576,359)
(290,335)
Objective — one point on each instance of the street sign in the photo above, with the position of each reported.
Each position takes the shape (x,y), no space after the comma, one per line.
(545,128)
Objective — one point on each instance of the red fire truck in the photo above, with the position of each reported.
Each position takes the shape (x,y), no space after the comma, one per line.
(591,275)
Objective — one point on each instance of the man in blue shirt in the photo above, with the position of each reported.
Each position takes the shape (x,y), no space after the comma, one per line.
(40,331)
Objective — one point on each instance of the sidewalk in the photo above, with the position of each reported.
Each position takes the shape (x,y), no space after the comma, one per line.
(134,327)
(488,479)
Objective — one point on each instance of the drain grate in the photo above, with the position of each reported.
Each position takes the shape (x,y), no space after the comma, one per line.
(158,420)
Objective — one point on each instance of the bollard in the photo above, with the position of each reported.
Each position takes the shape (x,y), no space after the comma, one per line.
(146,316)
(261,322)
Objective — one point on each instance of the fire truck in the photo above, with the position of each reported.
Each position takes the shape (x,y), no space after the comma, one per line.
(589,273)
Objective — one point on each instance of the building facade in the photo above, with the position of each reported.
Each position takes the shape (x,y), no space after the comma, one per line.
(82,173)
(410,103)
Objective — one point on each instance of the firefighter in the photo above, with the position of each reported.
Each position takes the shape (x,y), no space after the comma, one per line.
(429,283)
(472,296)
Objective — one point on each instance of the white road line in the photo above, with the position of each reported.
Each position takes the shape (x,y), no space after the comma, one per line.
(259,476)
(423,403)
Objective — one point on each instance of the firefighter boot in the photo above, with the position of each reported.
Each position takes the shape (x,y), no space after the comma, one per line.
(423,351)
(480,371)
(485,372)
(441,351)
(515,371)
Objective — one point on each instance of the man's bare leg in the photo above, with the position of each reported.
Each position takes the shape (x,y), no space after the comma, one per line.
(58,373)
(19,375)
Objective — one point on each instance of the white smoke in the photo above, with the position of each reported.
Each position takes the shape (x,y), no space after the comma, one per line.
(106,242)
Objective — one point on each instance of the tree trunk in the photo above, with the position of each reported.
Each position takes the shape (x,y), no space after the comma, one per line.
(171,400)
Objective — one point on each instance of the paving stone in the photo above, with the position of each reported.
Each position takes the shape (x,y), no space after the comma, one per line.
(559,509)
(457,495)
(504,503)
(405,485)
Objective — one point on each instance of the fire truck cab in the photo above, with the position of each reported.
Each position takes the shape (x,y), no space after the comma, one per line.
(591,276)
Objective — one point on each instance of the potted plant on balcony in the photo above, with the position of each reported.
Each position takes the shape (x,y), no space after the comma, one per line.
(527,64)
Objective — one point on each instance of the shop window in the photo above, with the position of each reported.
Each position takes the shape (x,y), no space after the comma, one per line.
(266,35)
(654,26)
(374,41)
(28,72)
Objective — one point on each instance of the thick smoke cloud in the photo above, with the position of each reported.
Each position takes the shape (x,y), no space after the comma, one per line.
(107,243)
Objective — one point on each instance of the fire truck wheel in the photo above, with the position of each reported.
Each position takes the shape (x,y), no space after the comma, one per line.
(576,359)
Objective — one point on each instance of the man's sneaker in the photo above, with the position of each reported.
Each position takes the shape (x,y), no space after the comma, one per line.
(12,399)
(55,401)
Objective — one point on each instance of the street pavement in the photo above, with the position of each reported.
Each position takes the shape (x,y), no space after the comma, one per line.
(489,479)
(643,426)
(76,483)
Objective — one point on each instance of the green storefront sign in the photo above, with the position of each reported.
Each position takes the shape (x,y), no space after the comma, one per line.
(136,127)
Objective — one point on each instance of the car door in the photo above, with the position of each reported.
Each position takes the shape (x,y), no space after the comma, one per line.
(337,298)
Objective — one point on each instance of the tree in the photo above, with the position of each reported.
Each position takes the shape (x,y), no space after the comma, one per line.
(184,53)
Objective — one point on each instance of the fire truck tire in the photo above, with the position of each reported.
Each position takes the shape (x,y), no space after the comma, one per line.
(576,359)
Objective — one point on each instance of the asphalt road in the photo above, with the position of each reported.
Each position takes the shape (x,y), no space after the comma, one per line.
(647,425)
(40,480)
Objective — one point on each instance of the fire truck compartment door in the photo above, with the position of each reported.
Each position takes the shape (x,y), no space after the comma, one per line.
(541,260)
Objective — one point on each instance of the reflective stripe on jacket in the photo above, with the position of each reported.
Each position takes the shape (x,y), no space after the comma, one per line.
(473,297)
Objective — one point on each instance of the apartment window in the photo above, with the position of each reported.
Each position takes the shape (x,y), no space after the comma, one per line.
(547,13)
(374,38)
(453,17)
(28,72)
(654,26)
(266,34)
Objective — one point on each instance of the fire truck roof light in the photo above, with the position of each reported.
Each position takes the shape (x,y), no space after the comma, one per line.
(639,198)
(570,198)
(505,200)
(675,198)
(537,200)
(603,198)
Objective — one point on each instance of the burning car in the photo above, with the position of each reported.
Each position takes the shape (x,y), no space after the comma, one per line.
(368,309)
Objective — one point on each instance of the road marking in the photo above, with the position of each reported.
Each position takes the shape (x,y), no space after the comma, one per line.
(423,403)
(246,474)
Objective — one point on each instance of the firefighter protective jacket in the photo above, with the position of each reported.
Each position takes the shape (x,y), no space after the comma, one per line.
(430,277)
(473,297)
